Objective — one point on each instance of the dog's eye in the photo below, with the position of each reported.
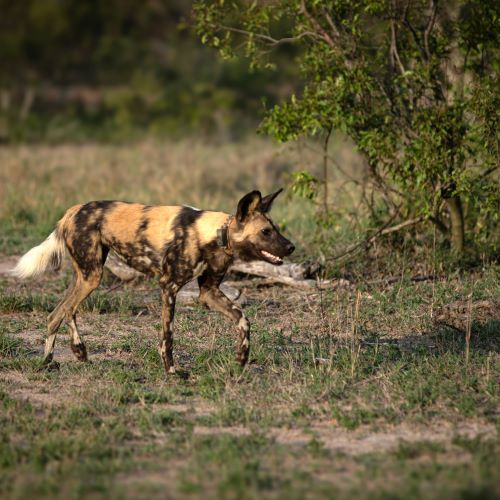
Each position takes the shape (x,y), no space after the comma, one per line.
(266,231)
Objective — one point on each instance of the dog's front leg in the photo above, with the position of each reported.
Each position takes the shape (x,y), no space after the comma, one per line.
(168,294)
(211,295)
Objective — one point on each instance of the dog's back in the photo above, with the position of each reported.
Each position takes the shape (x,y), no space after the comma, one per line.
(140,234)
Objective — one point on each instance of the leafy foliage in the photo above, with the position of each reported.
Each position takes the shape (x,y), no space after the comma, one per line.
(414,84)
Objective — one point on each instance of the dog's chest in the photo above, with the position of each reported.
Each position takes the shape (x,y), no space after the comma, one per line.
(199,268)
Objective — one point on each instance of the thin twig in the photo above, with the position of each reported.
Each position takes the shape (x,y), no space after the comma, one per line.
(394,48)
(118,285)
(428,28)
(269,39)
(324,34)
(381,232)
(440,225)
(489,171)
(355,344)
(395,279)
(406,22)
(330,158)
(325,170)
(468,330)
(334,28)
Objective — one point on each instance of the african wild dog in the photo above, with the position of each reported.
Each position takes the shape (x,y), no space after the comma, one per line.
(175,243)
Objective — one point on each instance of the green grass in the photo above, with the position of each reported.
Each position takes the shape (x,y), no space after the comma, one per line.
(98,302)
(82,452)
(117,428)
(378,403)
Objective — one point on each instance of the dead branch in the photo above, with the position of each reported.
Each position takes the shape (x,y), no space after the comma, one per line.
(381,232)
(266,270)
(287,274)
(120,269)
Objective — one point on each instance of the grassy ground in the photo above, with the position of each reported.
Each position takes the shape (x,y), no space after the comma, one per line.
(339,400)
(353,391)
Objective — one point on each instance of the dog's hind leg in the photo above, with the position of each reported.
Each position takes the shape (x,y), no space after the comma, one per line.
(77,346)
(55,319)
(66,311)
(88,273)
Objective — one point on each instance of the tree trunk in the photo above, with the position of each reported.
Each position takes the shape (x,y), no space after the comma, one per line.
(457,230)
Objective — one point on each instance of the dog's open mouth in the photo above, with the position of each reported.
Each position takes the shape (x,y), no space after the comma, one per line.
(273,259)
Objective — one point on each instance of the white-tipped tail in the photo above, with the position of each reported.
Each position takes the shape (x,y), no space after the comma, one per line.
(47,255)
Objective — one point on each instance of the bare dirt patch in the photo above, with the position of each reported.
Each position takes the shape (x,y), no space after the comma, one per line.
(41,394)
(7,263)
(363,441)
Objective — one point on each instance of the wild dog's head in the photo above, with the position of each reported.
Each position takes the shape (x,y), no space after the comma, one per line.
(255,236)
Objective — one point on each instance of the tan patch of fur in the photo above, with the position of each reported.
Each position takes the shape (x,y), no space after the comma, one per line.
(122,221)
(207,225)
(192,247)
(254,205)
(159,230)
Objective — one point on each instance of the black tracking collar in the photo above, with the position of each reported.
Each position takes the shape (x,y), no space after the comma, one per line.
(223,234)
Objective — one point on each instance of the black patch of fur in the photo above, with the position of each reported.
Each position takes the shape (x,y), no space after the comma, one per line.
(186,217)
(80,351)
(176,264)
(217,259)
(133,253)
(250,199)
(144,221)
(95,209)
(143,225)
(267,201)
(83,248)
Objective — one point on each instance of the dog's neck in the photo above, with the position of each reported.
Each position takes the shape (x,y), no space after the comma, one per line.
(223,240)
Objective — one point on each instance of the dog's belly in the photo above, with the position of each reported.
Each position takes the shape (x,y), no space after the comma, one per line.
(140,257)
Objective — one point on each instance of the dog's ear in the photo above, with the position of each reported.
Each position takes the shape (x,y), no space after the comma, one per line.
(267,202)
(247,205)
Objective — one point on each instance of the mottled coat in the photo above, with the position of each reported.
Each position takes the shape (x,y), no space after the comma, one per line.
(175,243)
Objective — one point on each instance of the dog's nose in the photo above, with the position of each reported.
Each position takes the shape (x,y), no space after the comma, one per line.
(290,248)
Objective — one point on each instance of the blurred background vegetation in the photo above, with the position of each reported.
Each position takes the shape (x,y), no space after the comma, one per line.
(116,70)
(148,78)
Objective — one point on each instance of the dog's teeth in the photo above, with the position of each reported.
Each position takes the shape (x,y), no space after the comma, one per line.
(273,258)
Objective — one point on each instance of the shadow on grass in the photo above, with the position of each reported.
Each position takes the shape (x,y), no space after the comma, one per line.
(485,337)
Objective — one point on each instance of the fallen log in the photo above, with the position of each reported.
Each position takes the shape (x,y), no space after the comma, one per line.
(265,270)
(190,292)
(119,269)
(287,274)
